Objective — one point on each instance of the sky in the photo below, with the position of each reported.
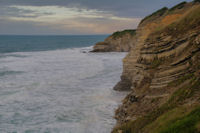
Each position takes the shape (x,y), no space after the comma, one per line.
(74,17)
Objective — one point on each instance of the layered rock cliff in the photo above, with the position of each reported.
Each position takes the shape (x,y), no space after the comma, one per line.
(121,41)
(162,72)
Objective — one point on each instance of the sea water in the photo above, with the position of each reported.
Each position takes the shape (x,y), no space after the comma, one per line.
(52,84)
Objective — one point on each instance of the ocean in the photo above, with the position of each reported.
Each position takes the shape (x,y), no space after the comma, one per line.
(52,84)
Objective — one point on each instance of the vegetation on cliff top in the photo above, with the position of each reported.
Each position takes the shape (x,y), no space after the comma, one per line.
(182,24)
(119,41)
(185,24)
(166,11)
(158,13)
(121,33)
(179,6)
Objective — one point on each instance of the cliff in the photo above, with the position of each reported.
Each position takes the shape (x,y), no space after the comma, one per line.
(162,72)
(121,41)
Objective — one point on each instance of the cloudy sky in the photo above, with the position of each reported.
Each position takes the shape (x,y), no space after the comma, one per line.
(74,16)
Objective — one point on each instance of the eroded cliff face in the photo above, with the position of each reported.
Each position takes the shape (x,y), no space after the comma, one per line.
(121,41)
(133,71)
(162,72)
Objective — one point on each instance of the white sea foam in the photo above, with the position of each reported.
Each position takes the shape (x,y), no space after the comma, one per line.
(61,91)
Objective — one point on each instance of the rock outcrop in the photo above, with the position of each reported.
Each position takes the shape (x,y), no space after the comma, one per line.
(121,41)
(162,72)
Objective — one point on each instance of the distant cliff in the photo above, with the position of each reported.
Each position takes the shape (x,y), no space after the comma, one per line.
(121,41)
(162,73)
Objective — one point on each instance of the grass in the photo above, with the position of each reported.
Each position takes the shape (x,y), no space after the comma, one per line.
(162,122)
(186,124)
(176,99)
(158,13)
(198,126)
(121,33)
(183,24)
(189,22)
(184,93)
(179,6)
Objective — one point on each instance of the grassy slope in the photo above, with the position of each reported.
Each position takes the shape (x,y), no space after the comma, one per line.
(158,13)
(187,23)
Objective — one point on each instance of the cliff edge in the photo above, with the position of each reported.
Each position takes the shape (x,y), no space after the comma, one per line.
(121,41)
(162,73)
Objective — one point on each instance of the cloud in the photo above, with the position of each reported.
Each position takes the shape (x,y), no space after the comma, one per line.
(100,25)
(74,16)
(65,21)
(11,11)
(131,8)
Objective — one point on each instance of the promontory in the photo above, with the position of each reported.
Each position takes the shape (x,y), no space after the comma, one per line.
(161,72)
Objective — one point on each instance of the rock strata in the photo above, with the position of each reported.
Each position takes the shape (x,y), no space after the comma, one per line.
(121,41)
(162,73)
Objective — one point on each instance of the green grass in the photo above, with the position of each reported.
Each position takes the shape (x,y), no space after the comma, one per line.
(121,33)
(182,25)
(171,116)
(189,22)
(176,99)
(186,124)
(179,6)
(185,92)
(158,13)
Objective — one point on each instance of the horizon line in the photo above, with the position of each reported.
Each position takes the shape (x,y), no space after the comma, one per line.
(53,34)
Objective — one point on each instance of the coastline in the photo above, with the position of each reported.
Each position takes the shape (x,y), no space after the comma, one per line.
(58,90)
(161,71)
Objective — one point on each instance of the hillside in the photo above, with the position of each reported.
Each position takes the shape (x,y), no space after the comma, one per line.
(120,41)
(162,73)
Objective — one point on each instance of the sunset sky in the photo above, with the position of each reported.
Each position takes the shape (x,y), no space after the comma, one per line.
(74,17)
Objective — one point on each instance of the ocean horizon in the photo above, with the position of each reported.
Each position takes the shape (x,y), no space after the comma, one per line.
(27,43)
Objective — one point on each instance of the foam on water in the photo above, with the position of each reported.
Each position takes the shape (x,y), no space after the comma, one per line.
(60,91)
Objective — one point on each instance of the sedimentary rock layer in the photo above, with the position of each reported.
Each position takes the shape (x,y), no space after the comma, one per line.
(121,41)
(162,72)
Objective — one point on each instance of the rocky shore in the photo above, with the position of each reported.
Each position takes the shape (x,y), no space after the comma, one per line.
(162,72)
(121,41)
